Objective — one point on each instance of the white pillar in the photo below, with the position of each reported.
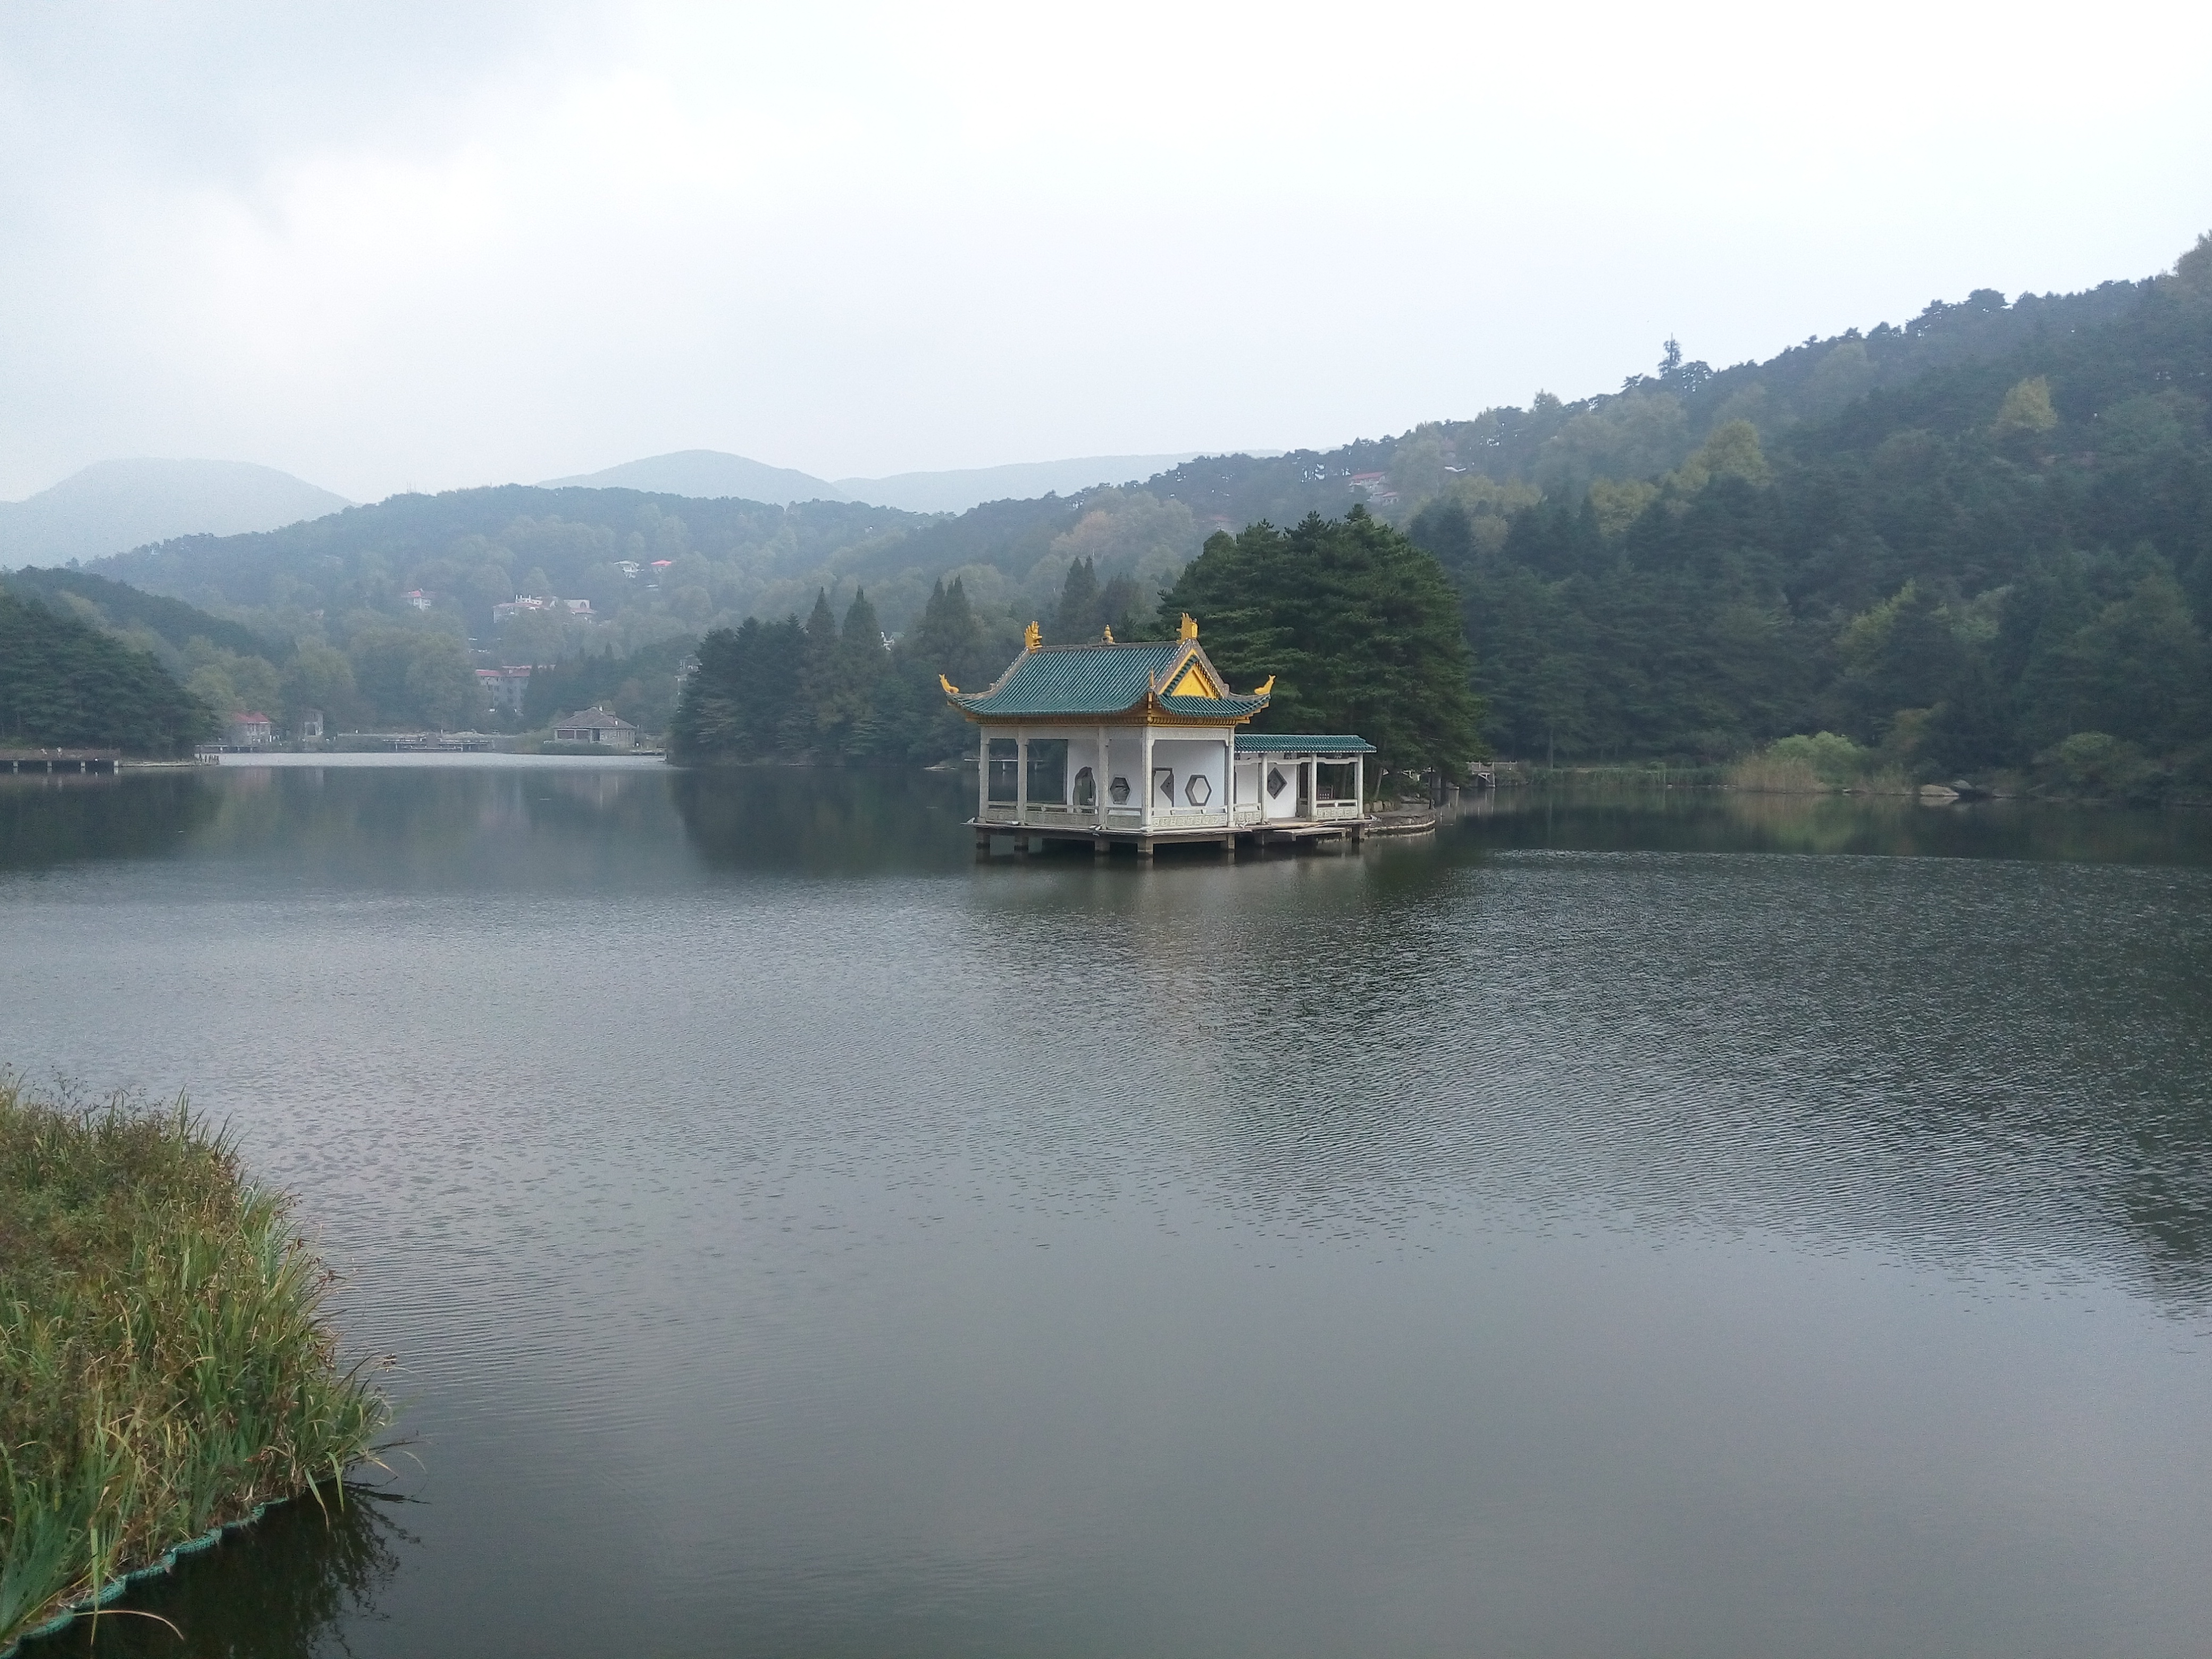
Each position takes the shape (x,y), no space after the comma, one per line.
(983,773)
(1099,799)
(1360,783)
(1145,754)
(1021,775)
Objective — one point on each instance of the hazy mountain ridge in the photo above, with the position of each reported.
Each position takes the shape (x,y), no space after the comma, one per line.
(962,488)
(110,507)
(708,474)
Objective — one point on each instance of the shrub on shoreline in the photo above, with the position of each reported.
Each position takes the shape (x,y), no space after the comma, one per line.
(1822,763)
(166,1363)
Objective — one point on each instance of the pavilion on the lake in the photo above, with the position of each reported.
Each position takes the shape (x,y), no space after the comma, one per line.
(1139,744)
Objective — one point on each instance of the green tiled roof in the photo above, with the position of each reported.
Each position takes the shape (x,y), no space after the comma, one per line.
(1096,679)
(1301,743)
(1227,708)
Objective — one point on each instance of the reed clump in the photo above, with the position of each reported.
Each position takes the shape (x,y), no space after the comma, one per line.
(165,1361)
(1818,763)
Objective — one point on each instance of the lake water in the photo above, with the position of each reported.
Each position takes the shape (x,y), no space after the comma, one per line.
(1679,1224)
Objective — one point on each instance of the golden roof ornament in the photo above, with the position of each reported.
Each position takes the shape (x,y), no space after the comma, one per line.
(1032,637)
(1110,636)
(1190,629)
(1265,687)
(951,689)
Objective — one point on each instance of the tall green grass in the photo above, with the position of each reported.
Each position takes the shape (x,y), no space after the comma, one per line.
(166,1363)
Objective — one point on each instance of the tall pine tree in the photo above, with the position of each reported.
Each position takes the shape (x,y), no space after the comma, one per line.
(1359,627)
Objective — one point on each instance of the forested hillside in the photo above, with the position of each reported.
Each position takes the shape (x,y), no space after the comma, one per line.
(1916,536)
(466,550)
(1962,573)
(150,622)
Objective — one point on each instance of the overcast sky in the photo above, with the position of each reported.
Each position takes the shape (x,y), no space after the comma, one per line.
(422,246)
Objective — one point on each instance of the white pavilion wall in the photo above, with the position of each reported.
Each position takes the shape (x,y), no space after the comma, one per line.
(1189,757)
(1285,804)
(1186,756)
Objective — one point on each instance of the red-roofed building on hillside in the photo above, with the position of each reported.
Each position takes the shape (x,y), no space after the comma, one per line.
(244,730)
(1377,488)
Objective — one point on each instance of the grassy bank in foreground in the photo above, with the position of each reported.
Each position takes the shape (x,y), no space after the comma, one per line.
(165,1362)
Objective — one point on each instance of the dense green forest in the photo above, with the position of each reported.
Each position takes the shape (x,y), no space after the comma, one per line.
(832,690)
(1971,571)
(66,684)
(835,689)
(1359,629)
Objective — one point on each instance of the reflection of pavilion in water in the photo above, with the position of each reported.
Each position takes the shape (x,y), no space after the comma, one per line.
(1136,744)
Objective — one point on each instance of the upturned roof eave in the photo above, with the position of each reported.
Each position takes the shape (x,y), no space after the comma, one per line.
(1148,710)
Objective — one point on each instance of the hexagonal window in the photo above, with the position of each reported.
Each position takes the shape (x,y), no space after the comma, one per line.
(1119,789)
(1196,790)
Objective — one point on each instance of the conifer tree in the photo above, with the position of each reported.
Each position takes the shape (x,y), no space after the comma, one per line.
(1077,619)
(1359,627)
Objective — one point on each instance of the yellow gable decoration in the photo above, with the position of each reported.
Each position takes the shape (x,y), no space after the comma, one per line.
(1194,683)
(1189,629)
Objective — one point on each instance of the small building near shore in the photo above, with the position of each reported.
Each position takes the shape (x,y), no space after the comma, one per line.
(249,730)
(1139,744)
(598,726)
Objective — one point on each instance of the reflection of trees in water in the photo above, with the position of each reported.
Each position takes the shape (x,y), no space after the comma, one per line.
(1596,819)
(418,825)
(281,1589)
(819,821)
(62,819)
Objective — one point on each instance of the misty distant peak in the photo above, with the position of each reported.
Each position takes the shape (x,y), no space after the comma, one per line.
(958,490)
(707,474)
(111,506)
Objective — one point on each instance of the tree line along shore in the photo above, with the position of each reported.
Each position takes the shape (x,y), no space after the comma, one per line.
(167,1364)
